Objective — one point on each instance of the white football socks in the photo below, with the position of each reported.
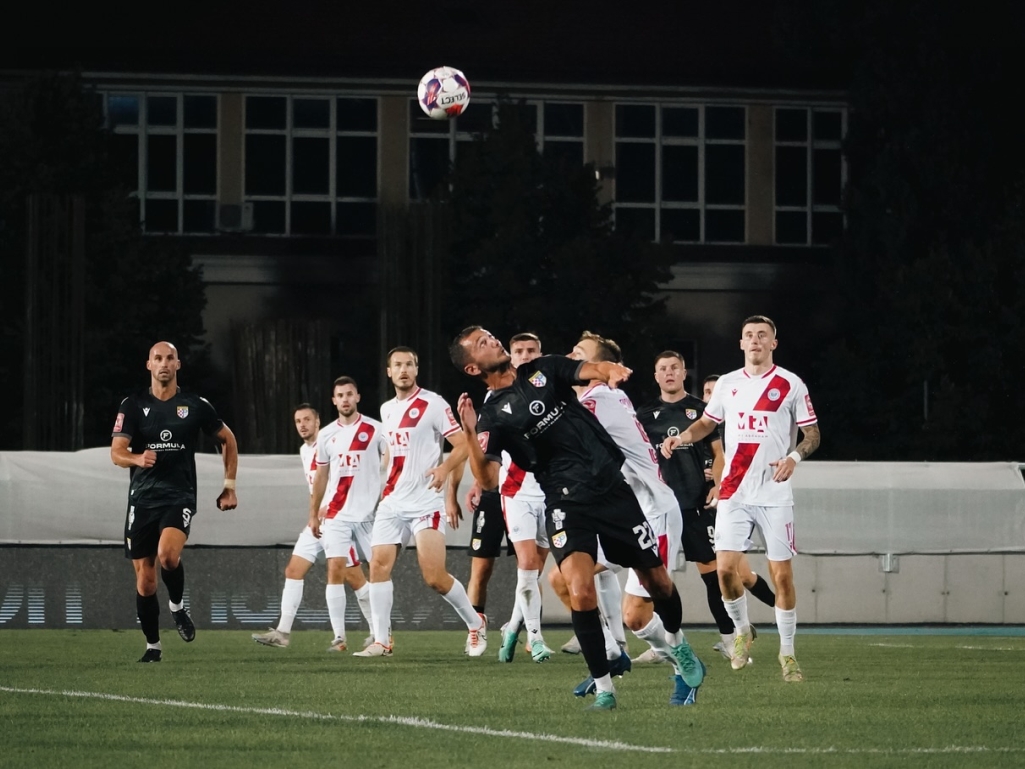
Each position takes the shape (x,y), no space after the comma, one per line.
(528,597)
(457,599)
(382,596)
(335,595)
(738,613)
(786,621)
(291,597)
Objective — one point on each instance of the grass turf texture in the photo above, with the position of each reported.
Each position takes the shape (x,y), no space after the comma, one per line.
(868,701)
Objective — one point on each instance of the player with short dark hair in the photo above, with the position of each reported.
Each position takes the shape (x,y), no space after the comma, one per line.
(156,435)
(762,407)
(533,414)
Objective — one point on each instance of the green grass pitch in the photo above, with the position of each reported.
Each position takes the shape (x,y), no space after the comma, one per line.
(79,699)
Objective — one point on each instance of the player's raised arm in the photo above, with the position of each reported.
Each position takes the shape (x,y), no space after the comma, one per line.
(696,432)
(484,470)
(605,371)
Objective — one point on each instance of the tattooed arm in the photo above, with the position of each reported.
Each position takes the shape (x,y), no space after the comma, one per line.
(810,441)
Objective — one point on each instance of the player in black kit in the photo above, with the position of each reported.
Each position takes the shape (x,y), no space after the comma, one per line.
(533,413)
(156,434)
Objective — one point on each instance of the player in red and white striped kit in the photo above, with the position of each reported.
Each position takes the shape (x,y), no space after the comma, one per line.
(348,484)
(308,548)
(762,406)
(417,502)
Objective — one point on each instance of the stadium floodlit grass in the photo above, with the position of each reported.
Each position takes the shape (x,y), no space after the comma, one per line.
(868,701)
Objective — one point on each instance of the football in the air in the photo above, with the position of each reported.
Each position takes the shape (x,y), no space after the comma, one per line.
(444,92)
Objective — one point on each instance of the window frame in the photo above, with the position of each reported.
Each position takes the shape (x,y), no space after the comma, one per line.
(701,141)
(809,144)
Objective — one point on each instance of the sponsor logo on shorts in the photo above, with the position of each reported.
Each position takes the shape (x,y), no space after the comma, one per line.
(183,411)
(186,516)
(538,379)
(537,408)
(475,544)
(128,541)
(559,540)
(131,516)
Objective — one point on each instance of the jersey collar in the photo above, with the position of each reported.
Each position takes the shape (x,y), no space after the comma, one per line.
(774,367)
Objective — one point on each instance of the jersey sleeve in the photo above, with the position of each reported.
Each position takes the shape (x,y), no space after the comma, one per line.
(804,412)
(444,420)
(321,456)
(489,438)
(209,422)
(127,421)
(714,407)
(561,369)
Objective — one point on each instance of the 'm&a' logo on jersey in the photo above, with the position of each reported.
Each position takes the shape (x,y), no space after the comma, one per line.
(752,423)
(183,411)
(538,379)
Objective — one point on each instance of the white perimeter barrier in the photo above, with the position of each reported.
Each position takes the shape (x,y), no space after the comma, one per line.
(842,508)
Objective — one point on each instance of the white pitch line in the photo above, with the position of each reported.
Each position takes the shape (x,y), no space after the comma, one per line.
(995,648)
(896,646)
(420,723)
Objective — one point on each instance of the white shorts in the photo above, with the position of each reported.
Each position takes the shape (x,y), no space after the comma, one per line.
(735,522)
(525,520)
(308,546)
(669,530)
(347,539)
(396,530)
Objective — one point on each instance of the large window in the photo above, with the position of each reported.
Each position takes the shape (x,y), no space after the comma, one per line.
(433,144)
(311,164)
(166,146)
(681,172)
(810,175)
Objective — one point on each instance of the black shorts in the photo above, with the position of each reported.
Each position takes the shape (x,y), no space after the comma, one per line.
(488,528)
(614,518)
(699,534)
(143,526)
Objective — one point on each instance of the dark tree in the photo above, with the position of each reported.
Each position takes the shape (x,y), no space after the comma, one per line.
(534,250)
(932,266)
(139,289)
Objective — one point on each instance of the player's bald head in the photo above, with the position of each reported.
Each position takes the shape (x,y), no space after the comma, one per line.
(163,349)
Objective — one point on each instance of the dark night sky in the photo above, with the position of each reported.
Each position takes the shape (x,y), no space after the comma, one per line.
(678,43)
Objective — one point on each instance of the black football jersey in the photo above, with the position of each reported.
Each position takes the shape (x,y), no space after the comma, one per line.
(170,428)
(685,470)
(540,422)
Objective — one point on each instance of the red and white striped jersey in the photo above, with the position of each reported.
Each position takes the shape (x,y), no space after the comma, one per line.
(515,482)
(354,454)
(761,415)
(616,414)
(308,456)
(415,427)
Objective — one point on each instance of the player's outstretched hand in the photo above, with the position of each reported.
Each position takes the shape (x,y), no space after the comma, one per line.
(227,500)
(473,497)
(467,412)
(784,469)
(618,374)
(453,514)
(437,475)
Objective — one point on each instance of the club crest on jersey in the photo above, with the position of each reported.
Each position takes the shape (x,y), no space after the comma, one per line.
(482,439)
(183,411)
(414,413)
(559,540)
(773,394)
(363,437)
(537,408)
(538,379)
(691,413)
